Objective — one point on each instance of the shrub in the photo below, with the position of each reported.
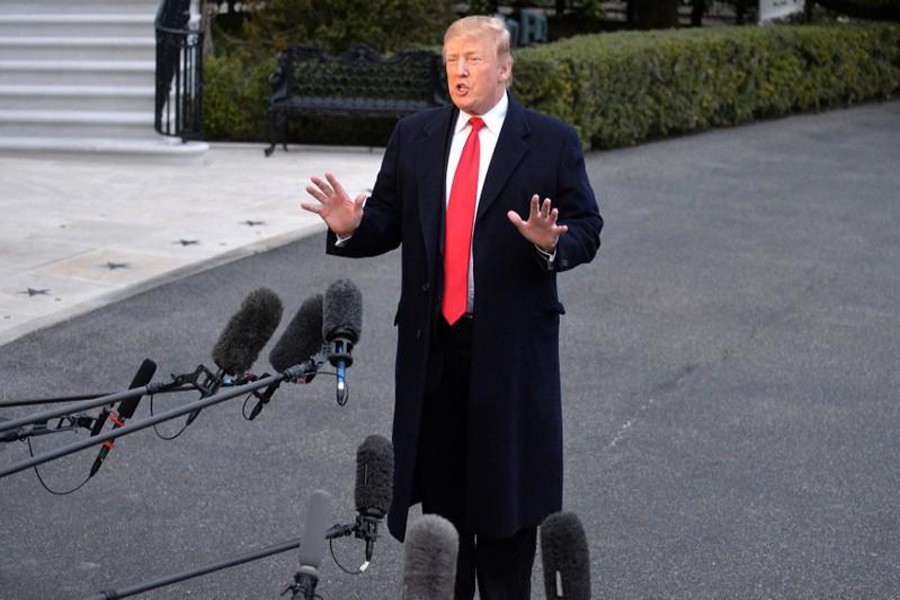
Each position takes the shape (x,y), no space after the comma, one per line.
(336,25)
(618,89)
(235,96)
(622,88)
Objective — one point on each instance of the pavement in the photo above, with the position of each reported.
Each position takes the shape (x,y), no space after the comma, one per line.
(730,377)
(83,233)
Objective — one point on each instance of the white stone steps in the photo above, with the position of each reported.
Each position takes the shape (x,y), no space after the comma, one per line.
(84,7)
(73,124)
(77,98)
(153,147)
(77,80)
(66,72)
(91,48)
(76,25)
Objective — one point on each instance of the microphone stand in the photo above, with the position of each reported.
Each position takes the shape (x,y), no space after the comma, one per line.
(144,423)
(42,428)
(165,580)
(200,379)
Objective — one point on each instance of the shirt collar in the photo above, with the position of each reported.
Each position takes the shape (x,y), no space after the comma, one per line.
(493,119)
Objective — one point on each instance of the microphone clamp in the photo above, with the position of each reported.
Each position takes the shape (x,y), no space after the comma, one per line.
(202,379)
(304,586)
(339,530)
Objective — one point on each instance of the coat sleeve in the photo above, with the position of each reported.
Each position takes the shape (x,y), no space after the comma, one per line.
(380,228)
(577,208)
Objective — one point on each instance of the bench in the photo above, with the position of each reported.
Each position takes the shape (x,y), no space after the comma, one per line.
(358,83)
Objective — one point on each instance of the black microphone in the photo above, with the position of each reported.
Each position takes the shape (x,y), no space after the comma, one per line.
(298,346)
(564,552)
(302,338)
(374,487)
(429,559)
(247,332)
(244,336)
(312,546)
(374,481)
(126,410)
(342,322)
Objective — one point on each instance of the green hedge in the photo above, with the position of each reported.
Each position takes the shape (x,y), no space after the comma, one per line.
(619,89)
(622,88)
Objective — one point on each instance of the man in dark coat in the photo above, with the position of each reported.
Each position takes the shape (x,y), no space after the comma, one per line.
(477,428)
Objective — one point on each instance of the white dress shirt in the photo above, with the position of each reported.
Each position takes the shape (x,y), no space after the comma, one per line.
(487,139)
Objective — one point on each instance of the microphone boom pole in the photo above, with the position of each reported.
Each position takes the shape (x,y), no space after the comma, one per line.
(150,389)
(150,421)
(165,580)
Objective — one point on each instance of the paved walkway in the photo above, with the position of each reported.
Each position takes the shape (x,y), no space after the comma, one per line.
(82,234)
(729,385)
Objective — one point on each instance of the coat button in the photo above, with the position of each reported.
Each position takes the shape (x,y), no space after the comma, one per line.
(418,333)
(426,287)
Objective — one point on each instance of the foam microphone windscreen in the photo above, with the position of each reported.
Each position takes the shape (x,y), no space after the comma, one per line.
(429,561)
(342,311)
(318,519)
(247,332)
(564,553)
(374,476)
(302,338)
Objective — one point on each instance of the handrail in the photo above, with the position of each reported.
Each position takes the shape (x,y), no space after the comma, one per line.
(179,72)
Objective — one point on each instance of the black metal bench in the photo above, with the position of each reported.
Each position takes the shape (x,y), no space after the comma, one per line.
(358,83)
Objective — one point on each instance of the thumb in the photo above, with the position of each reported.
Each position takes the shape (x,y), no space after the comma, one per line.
(515,219)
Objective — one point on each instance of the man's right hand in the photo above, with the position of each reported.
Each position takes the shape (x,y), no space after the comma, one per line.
(334,206)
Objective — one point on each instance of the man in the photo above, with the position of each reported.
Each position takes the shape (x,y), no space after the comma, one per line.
(477,422)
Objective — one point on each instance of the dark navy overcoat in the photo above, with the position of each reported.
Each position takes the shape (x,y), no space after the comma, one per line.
(515,421)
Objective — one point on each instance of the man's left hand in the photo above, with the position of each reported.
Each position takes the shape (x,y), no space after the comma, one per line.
(540,229)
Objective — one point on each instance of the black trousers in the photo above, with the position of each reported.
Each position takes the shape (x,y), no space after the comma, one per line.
(501,566)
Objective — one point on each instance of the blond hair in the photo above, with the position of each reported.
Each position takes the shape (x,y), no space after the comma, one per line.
(478,25)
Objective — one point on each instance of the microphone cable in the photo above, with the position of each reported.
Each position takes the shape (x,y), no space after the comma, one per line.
(44,484)
(358,571)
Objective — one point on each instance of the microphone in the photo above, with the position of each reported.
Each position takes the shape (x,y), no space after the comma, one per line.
(429,559)
(302,338)
(296,350)
(312,546)
(374,480)
(126,410)
(298,345)
(342,322)
(564,552)
(247,332)
(244,336)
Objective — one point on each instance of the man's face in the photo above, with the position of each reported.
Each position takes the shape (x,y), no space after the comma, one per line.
(476,77)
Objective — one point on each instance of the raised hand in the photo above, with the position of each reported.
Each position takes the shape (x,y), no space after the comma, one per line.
(540,229)
(341,213)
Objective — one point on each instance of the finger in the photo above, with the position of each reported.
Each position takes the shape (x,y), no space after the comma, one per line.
(313,208)
(545,208)
(534,206)
(316,193)
(553,216)
(338,188)
(322,185)
(515,219)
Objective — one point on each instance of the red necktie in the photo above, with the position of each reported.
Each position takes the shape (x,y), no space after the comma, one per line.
(460,220)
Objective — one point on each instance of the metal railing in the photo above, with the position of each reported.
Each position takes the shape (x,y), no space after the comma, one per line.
(179,72)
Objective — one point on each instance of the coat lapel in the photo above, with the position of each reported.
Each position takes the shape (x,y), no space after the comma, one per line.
(431,170)
(511,148)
